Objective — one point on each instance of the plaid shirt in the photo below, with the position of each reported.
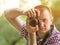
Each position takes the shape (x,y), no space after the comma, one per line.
(53,39)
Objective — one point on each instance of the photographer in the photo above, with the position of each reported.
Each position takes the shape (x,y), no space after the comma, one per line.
(39,20)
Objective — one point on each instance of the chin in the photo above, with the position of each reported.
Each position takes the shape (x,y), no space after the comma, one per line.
(43,31)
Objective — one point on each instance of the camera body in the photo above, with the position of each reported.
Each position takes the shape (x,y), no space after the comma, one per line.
(33,22)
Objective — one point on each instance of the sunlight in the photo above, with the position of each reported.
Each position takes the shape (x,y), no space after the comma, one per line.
(11,4)
(28,4)
(7,4)
(1,7)
(50,2)
(23,5)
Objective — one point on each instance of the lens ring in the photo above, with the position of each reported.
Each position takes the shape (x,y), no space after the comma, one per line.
(33,22)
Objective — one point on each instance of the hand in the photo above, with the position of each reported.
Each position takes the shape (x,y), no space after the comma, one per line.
(31,14)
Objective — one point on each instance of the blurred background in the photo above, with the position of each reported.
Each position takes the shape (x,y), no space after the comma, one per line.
(8,34)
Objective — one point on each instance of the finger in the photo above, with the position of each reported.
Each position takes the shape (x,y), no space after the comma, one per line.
(37,12)
(29,14)
(37,28)
(31,11)
(34,13)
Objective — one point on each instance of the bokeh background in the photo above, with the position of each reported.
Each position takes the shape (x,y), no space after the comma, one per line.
(10,36)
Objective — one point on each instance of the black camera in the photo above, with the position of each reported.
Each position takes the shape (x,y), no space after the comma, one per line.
(33,22)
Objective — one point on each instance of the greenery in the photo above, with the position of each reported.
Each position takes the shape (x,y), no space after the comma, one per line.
(9,35)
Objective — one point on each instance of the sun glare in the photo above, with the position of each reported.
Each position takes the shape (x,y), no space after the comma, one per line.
(23,5)
(1,7)
(28,4)
(7,4)
(11,4)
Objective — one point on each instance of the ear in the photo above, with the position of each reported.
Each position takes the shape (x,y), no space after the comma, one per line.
(51,17)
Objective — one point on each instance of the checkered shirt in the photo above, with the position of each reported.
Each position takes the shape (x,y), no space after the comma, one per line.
(53,39)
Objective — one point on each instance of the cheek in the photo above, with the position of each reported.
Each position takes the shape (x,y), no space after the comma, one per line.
(47,25)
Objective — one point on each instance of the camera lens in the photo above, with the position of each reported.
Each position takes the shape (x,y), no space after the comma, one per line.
(33,22)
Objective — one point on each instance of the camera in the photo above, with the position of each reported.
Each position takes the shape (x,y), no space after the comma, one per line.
(33,22)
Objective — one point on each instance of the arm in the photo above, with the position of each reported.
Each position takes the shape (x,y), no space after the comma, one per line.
(12,16)
(30,29)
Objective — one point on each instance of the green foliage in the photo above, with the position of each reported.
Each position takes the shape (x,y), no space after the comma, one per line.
(8,34)
(23,17)
(21,42)
(57,23)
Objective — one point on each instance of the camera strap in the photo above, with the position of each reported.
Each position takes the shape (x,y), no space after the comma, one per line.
(47,35)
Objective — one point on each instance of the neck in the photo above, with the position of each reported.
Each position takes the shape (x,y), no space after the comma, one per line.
(41,35)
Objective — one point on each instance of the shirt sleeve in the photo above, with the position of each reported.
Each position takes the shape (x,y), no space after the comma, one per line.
(24,33)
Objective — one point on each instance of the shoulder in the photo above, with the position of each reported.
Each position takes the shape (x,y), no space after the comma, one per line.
(54,39)
(56,36)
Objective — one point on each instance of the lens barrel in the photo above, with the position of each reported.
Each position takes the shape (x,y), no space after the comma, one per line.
(33,22)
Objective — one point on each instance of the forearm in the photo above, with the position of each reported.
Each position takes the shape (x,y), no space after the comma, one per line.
(12,16)
(13,13)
